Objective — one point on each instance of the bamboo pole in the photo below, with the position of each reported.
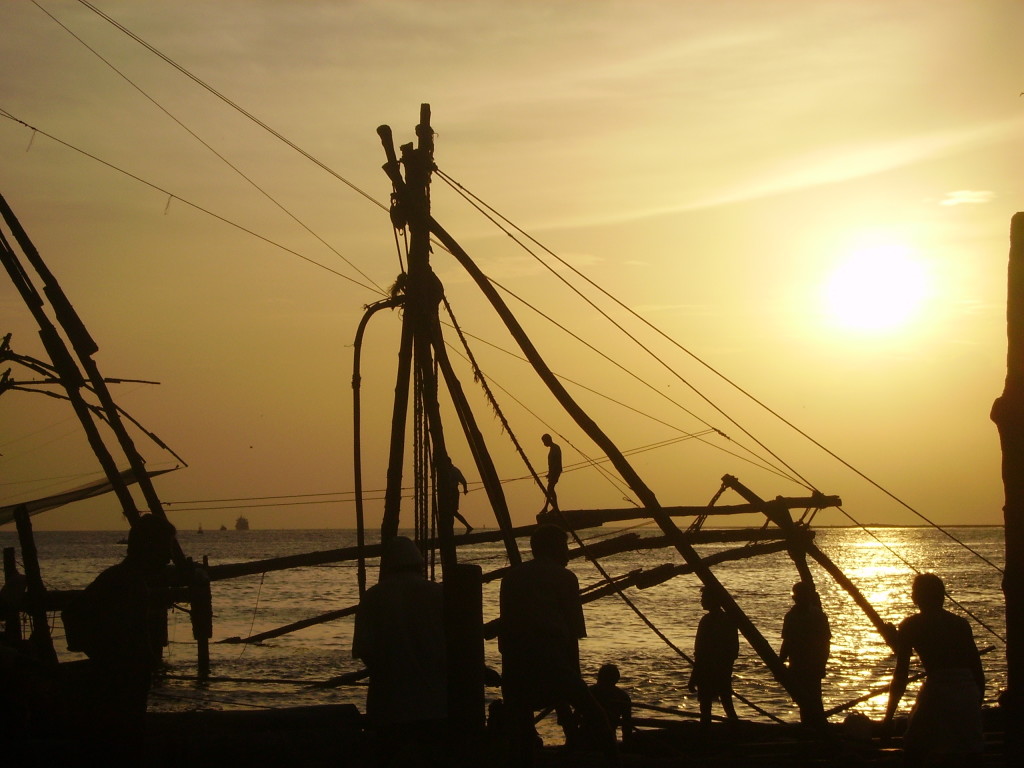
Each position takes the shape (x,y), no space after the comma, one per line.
(343,554)
(14,583)
(400,407)
(642,580)
(645,578)
(587,518)
(70,376)
(35,590)
(312,621)
(804,544)
(621,464)
(357,450)
(481,456)
(85,348)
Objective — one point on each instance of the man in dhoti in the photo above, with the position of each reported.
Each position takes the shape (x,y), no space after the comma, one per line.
(945,723)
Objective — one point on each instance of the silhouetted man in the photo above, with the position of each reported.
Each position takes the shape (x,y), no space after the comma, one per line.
(714,652)
(806,642)
(118,623)
(449,478)
(399,634)
(554,472)
(945,723)
(539,630)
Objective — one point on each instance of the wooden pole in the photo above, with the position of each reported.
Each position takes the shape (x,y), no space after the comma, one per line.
(201,601)
(420,329)
(1008,415)
(481,456)
(779,514)
(13,581)
(396,460)
(587,518)
(70,376)
(35,590)
(357,448)
(618,460)
(801,540)
(84,348)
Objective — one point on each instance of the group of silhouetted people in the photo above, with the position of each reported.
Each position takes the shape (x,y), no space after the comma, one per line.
(944,726)
(400,635)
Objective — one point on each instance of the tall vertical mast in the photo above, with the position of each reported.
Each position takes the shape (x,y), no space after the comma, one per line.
(1008,415)
(420,325)
(413,196)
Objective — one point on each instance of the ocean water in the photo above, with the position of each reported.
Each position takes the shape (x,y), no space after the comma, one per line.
(280,672)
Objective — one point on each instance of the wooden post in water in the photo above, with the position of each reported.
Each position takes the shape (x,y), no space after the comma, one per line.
(464,630)
(421,354)
(201,600)
(35,590)
(12,613)
(619,461)
(1008,415)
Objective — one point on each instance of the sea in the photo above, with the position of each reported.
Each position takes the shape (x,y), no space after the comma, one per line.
(283,672)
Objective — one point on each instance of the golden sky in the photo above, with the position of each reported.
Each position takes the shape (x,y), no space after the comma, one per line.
(812,199)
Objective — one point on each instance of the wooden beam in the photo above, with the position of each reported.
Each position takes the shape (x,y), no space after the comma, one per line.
(590,518)
(598,549)
(645,578)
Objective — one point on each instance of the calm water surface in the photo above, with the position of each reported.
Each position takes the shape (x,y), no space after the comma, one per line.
(879,562)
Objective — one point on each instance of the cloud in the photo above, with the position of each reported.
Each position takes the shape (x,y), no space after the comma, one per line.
(967,196)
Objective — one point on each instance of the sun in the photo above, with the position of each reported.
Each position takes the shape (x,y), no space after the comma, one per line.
(877,287)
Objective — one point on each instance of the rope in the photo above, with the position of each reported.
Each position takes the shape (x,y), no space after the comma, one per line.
(642,616)
(474,200)
(467,195)
(612,478)
(562,377)
(206,86)
(479,378)
(189,203)
(219,156)
(914,568)
(255,609)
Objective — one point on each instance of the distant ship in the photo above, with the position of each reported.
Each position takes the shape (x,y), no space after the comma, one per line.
(242,523)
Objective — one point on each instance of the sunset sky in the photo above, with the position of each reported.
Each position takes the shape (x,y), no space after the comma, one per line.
(812,199)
